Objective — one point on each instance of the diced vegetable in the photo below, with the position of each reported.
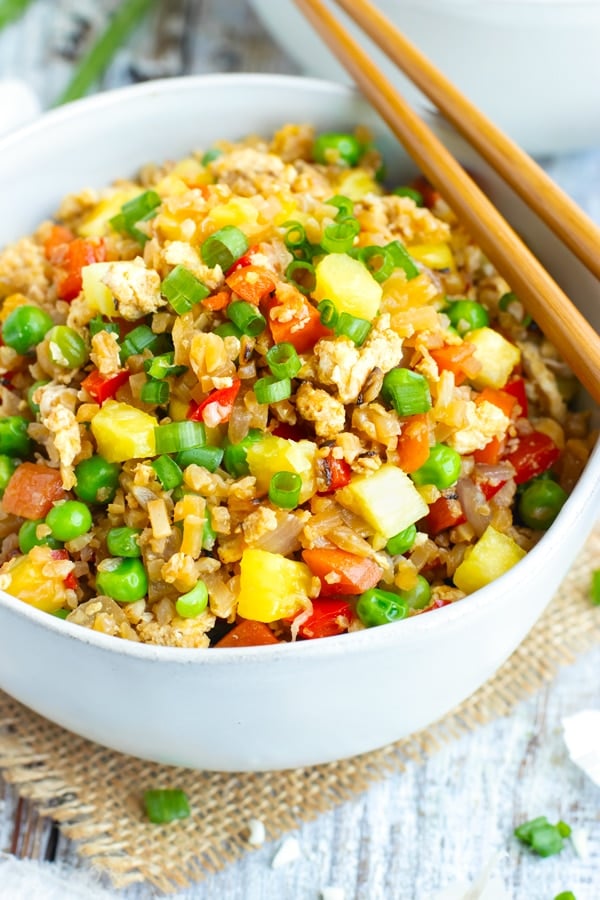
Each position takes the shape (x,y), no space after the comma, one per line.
(248,633)
(498,357)
(271,586)
(79,254)
(301,330)
(349,284)
(386,499)
(342,572)
(165,805)
(493,555)
(251,283)
(434,256)
(217,407)
(103,387)
(377,607)
(458,359)
(330,615)
(34,579)
(274,454)
(535,454)
(32,491)
(413,444)
(123,432)
(98,297)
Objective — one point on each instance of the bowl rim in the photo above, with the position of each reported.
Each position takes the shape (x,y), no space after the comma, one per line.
(412,630)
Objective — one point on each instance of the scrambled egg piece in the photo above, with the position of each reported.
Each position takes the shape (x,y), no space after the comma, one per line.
(248,171)
(484,421)
(180,253)
(316,405)
(105,352)
(135,288)
(57,405)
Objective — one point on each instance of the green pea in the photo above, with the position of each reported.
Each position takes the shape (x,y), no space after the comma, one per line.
(69,520)
(402,541)
(14,440)
(33,406)
(125,580)
(28,537)
(540,503)
(441,469)
(334,148)
(377,607)
(66,347)
(234,458)
(192,604)
(467,315)
(419,596)
(97,480)
(25,327)
(123,542)
(7,467)
(211,155)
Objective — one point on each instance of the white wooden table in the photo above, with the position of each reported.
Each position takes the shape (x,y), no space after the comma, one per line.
(413,835)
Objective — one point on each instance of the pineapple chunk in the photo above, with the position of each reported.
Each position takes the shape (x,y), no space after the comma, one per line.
(387,500)
(348,284)
(497,356)
(271,586)
(98,297)
(274,454)
(493,555)
(97,222)
(356,183)
(239,211)
(434,256)
(31,579)
(123,432)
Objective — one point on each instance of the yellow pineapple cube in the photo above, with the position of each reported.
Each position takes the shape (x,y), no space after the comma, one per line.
(98,297)
(348,284)
(434,256)
(271,586)
(123,432)
(274,454)
(356,183)
(493,555)
(386,499)
(497,356)
(33,579)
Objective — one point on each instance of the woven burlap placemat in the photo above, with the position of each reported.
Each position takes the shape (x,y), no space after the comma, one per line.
(95,794)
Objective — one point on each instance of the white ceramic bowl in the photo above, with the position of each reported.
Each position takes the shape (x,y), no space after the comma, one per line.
(285,705)
(532,65)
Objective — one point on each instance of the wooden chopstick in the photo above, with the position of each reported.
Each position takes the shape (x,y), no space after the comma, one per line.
(566,219)
(556,315)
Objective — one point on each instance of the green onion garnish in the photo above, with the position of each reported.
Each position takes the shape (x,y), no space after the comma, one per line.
(59,613)
(543,838)
(379,261)
(98,324)
(140,339)
(595,590)
(413,193)
(163,366)
(211,155)
(407,391)
(192,604)
(283,360)
(284,489)
(208,457)
(164,806)
(328,313)
(176,436)
(168,472)
(352,327)
(155,392)
(209,535)
(228,329)
(402,259)
(295,235)
(11,10)
(344,204)
(139,209)
(234,458)
(302,275)
(183,290)
(271,389)
(246,317)
(224,247)
(339,237)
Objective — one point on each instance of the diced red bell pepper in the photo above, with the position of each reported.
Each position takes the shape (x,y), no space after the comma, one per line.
(102,387)
(302,331)
(335,473)
(248,633)
(79,253)
(534,455)
(217,301)
(330,616)
(447,512)
(217,407)
(516,387)
(251,283)
(490,454)
(70,582)
(32,491)
(348,573)
(58,236)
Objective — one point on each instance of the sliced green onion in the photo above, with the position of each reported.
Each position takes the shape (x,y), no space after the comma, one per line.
(168,473)
(98,324)
(328,313)
(302,275)
(543,838)
(140,339)
(183,290)
(379,261)
(271,389)
(595,588)
(224,247)
(402,259)
(155,392)
(353,327)
(234,458)
(176,436)
(164,806)
(413,193)
(295,235)
(284,489)
(208,457)
(441,469)
(339,237)
(163,366)
(344,204)
(283,360)
(246,317)
(209,535)
(228,329)
(211,155)
(12,9)
(407,391)
(60,613)
(192,604)
(139,209)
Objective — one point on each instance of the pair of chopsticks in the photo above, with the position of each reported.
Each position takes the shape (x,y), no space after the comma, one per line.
(556,315)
